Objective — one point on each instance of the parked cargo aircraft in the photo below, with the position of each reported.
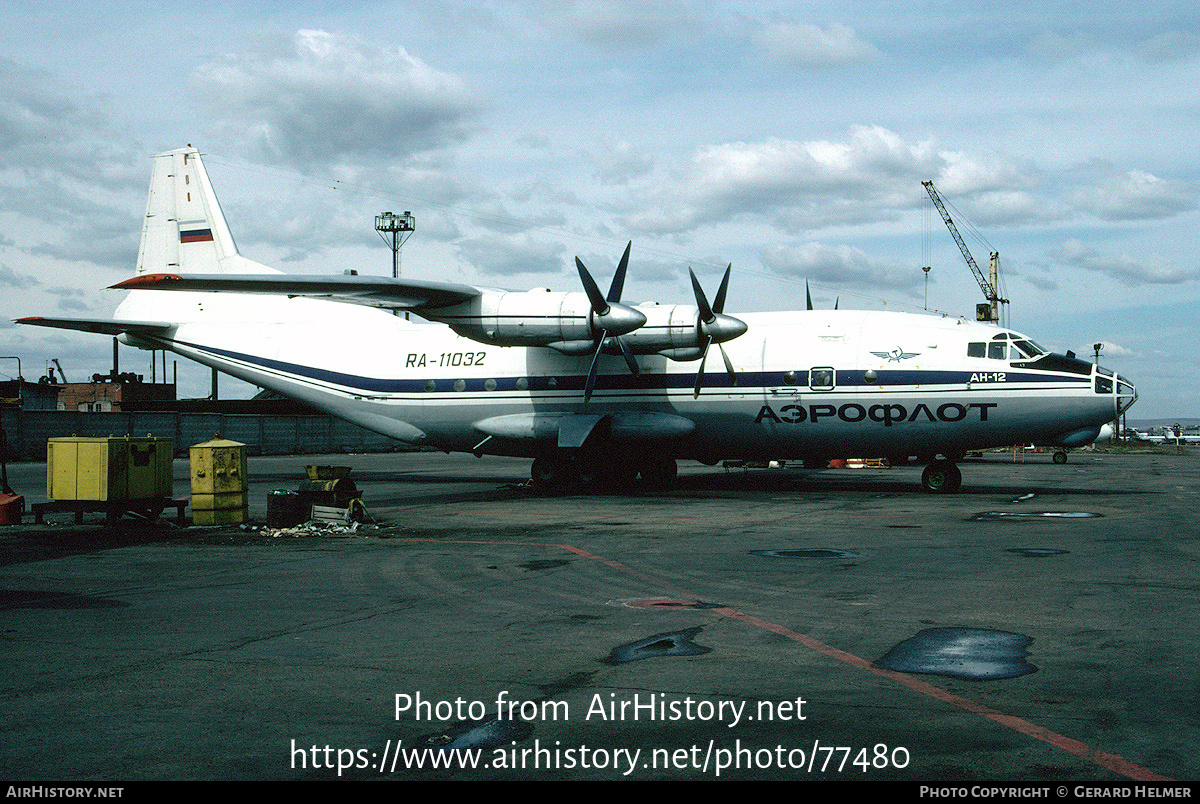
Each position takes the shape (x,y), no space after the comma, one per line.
(583,383)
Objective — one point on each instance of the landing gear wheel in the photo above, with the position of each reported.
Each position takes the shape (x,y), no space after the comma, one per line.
(552,473)
(941,477)
(605,472)
(1060,457)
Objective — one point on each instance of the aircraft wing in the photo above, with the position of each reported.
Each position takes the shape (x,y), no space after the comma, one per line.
(101,326)
(373,291)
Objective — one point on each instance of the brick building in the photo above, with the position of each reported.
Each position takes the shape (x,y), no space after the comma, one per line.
(108,396)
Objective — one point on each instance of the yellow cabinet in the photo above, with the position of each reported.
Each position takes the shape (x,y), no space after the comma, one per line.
(219,483)
(109,469)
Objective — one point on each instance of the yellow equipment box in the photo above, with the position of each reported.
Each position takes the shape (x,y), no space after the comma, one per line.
(109,469)
(220,485)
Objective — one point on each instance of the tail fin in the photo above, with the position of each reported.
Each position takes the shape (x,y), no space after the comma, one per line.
(185,230)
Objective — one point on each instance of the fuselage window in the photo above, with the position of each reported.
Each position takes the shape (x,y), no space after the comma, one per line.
(821,379)
(976,350)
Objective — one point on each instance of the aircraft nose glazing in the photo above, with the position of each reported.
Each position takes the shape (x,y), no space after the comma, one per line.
(1126,394)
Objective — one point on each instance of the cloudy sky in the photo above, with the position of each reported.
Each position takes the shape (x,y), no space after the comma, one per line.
(789,139)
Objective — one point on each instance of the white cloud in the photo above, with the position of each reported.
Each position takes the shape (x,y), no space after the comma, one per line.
(1136,195)
(337,99)
(500,255)
(1154,270)
(838,265)
(622,163)
(622,24)
(1110,349)
(67,188)
(811,46)
(800,186)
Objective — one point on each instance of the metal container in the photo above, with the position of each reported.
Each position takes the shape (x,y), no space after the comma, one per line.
(220,485)
(109,469)
(336,493)
(286,509)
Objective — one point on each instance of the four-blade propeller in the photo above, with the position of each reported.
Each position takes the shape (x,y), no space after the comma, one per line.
(714,327)
(610,317)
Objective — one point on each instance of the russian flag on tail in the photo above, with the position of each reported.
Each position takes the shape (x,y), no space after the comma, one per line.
(195,232)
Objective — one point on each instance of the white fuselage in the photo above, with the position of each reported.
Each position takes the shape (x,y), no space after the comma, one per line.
(815,383)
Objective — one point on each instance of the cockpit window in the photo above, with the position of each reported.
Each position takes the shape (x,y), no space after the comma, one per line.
(1007,346)
(1028,349)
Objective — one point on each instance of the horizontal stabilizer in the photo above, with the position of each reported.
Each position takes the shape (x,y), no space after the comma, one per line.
(100,326)
(373,291)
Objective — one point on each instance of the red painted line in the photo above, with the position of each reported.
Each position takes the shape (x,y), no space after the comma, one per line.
(1111,762)
(675,590)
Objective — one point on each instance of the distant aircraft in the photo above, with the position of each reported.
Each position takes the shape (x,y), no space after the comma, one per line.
(586,385)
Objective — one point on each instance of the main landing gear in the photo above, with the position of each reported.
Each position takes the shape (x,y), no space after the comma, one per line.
(941,477)
(562,472)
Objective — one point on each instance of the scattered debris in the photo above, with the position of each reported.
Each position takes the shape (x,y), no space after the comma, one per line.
(317,528)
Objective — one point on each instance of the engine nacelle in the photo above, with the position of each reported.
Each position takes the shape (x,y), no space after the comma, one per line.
(537,317)
(676,332)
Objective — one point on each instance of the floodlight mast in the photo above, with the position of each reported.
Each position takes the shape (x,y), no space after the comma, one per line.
(399,228)
(395,230)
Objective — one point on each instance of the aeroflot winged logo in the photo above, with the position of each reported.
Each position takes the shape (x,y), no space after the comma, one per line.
(896,355)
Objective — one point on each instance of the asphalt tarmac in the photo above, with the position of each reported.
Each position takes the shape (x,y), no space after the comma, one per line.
(1039,625)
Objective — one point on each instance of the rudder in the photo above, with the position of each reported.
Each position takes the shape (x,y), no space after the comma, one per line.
(184,230)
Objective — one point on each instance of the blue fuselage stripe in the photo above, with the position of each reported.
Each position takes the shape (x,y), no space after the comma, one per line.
(624,381)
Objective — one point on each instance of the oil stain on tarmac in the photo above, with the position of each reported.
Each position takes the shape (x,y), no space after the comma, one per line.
(674,643)
(975,654)
(821,552)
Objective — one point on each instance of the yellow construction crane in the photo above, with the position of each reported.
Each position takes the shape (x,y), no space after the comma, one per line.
(983,312)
